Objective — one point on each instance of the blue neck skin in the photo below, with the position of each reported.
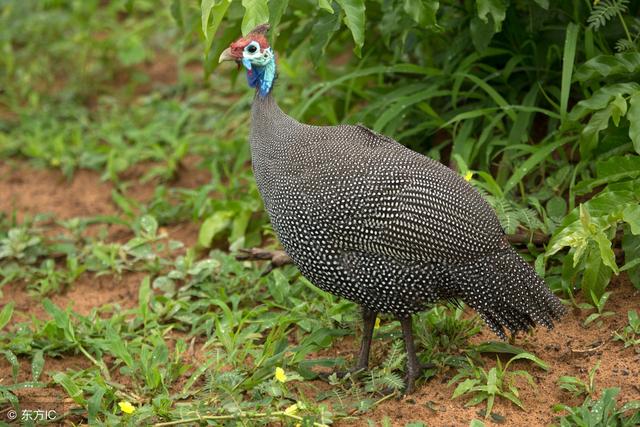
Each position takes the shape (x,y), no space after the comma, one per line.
(261,76)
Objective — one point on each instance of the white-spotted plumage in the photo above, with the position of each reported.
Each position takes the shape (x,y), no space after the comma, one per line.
(365,218)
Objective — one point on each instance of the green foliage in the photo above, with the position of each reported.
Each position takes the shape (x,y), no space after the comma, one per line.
(497,382)
(601,412)
(630,334)
(461,83)
(537,102)
(577,387)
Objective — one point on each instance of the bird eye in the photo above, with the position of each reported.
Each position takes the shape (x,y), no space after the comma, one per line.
(251,48)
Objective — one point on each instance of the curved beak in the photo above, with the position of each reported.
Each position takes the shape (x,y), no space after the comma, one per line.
(226,56)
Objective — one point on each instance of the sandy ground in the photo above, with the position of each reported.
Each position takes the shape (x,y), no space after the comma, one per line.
(570,349)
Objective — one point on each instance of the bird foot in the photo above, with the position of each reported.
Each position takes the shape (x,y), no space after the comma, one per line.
(411,377)
(342,373)
(277,258)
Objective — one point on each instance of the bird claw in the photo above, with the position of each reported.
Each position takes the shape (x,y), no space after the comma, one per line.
(411,377)
(277,258)
(354,373)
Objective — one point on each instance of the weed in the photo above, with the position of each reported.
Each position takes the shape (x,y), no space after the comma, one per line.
(577,387)
(630,334)
(601,412)
(497,382)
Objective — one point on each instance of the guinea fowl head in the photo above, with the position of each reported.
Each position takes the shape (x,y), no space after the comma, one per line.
(254,53)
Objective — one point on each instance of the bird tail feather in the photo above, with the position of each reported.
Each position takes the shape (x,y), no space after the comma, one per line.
(507,293)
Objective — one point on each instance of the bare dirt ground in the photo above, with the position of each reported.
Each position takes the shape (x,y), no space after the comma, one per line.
(570,350)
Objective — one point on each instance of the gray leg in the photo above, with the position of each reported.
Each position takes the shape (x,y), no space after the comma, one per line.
(414,369)
(369,321)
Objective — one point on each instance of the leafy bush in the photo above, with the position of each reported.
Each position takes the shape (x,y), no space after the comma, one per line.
(540,99)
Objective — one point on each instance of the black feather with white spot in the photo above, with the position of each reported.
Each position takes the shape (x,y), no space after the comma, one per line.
(365,218)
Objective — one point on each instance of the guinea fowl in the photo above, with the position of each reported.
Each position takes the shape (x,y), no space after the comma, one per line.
(370,220)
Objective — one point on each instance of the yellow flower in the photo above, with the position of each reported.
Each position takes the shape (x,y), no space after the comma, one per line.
(126,407)
(377,325)
(280,375)
(291,410)
(468,176)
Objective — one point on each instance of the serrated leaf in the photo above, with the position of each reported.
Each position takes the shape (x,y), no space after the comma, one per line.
(354,20)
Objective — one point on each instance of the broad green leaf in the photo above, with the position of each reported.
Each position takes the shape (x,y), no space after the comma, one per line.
(213,226)
(631,248)
(556,207)
(216,12)
(423,12)
(601,98)
(6,313)
(603,66)
(276,10)
(598,122)
(323,29)
(543,3)
(596,275)
(496,8)
(256,12)
(618,108)
(634,120)
(354,20)
(631,215)
(61,319)
(611,170)
(481,33)
(326,5)
(476,423)
(606,252)
(205,12)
